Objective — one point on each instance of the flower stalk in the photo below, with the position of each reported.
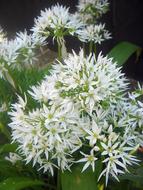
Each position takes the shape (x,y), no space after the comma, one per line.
(91,47)
(59,49)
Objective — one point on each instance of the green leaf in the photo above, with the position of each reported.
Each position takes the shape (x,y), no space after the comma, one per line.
(27,78)
(9,78)
(132,177)
(8,148)
(122,51)
(18,183)
(8,170)
(135,175)
(4,130)
(76,180)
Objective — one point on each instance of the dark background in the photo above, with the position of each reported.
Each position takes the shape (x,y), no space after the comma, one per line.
(124,21)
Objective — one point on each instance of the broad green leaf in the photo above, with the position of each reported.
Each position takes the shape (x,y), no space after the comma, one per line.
(8,148)
(122,51)
(132,177)
(18,183)
(8,170)
(76,180)
(135,175)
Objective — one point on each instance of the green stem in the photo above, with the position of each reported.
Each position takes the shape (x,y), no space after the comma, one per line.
(95,49)
(59,50)
(91,47)
(101,187)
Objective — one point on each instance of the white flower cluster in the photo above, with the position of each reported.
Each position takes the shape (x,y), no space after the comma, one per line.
(89,11)
(94,33)
(95,8)
(57,22)
(81,107)
(18,53)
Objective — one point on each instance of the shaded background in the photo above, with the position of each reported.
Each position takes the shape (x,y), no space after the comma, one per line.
(124,21)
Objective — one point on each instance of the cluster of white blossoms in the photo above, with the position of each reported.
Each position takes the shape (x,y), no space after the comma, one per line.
(90,11)
(19,52)
(96,8)
(94,33)
(57,22)
(83,114)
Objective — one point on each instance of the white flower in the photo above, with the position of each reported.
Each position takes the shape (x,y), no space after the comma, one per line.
(111,147)
(94,7)
(117,155)
(40,93)
(56,22)
(94,133)
(96,33)
(19,52)
(24,48)
(48,166)
(13,158)
(89,159)
(112,167)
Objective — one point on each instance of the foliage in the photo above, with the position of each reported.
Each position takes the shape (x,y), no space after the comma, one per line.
(21,71)
(122,51)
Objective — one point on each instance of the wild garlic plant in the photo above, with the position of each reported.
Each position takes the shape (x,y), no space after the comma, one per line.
(93,32)
(57,22)
(18,53)
(83,106)
(82,111)
(93,9)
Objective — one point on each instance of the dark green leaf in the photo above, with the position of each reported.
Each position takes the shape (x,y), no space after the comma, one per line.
(4,130)
(76,180)
(7,170)
(8,148)
(18,183)
(122,51)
